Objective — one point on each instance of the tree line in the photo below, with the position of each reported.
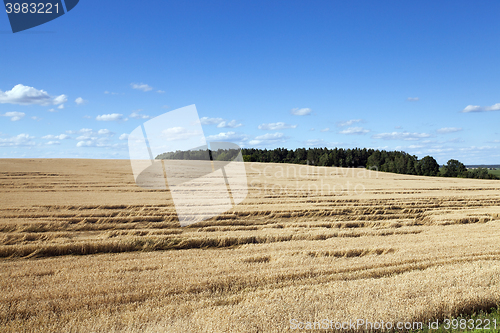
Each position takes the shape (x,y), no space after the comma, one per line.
(381,160)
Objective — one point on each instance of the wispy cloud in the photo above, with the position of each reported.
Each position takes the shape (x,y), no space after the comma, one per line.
(25,95)
(141,86)
(105,131)
(210,121)
(301,112)
(349,122)
(91,138)
(227,136)
(354,130)
(81,101)
(160,91)
(178,133)
(221,123)
(445,130)
(56,137)
(477,108)
(110,117)
(137,115)
(93,143)
(412,99)
(276,126)
(14,116)
(406,136)
(229,124)
(18,140)
(268,139)
(325,130)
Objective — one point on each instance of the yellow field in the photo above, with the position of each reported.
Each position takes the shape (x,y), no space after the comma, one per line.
(83,249)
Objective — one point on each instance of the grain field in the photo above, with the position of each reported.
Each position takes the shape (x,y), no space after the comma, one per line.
(83,249)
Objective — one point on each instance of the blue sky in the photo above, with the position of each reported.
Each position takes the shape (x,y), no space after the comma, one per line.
(422,77)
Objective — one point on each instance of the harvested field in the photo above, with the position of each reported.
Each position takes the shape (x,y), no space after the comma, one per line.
(82,248)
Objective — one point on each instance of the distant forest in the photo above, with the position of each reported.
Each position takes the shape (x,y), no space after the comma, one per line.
(381,160)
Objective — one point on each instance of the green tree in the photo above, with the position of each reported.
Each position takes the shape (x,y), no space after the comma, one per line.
(455,168)
(428,166)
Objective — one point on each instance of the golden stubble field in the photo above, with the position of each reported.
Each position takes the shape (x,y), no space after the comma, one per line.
(83,249)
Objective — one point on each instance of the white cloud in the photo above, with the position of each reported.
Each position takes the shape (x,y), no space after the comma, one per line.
(80,101)
(85,137)
(110,117)
(275,126)
(14,116)
(445,130)
(58,137)
(88,143)
(178,133)
(477,108)
(52,110)
(60,99)
(85,131)
(269,138)
(301,112)
(160,91)
(354,130)
(349,122)
(105,131)
(227,136)
(18,140)
(230,124)
(478,148)
(36,118)
(24,95)
(53,143)
(407,136)
(221,123)
(90,138)
(111,93)
(124,136)
(87,134)
(325,130)
(412,99)
(135,114)
(141,86)
(438,150)
(60,107)
(210,121)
